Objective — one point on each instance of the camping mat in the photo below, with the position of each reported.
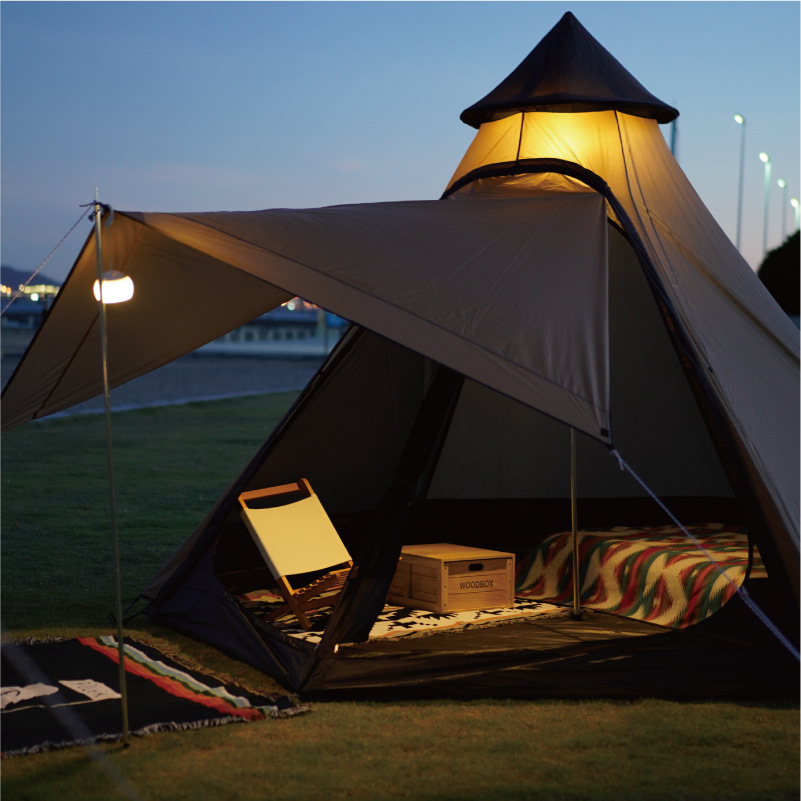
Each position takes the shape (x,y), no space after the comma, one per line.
(399,621)
(654,574)
(62,693)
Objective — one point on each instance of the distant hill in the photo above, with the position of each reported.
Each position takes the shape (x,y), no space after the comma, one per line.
(10,276)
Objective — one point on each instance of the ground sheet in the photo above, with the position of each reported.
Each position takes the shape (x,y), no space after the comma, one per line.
(655,574)
(62,693)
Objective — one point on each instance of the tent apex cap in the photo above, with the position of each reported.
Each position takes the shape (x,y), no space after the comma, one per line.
(569,71)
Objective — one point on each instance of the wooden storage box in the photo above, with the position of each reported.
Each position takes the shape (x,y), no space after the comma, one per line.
(453,578)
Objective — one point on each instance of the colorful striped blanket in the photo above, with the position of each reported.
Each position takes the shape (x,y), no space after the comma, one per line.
(655,574)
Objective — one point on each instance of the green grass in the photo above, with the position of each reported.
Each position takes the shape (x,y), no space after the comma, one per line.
(171,464)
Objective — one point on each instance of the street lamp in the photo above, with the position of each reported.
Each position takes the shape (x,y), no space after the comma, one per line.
(765,159)
(112,287)
(783,186)
(740,120)
(794,203)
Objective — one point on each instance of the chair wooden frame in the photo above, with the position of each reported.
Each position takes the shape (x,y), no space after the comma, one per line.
(294,538)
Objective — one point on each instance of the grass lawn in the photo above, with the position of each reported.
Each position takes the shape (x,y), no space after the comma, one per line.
(171,464)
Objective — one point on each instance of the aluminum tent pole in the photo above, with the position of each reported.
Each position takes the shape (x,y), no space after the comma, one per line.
(574,527)
(110,461)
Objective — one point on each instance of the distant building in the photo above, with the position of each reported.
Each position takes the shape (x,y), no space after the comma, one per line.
(295,329)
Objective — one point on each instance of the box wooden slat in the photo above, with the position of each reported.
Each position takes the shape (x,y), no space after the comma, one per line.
(441,577)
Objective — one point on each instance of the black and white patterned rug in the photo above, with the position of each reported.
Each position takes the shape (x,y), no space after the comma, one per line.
(398,621)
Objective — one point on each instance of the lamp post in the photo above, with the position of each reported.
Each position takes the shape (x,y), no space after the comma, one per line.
(782,184)
(112,287)
(765,159)
(794,203)
(740,120)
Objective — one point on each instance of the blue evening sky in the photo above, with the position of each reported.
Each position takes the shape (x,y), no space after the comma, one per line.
(187,106)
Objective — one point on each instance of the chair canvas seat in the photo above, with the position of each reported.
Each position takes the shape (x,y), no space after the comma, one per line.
(294,538)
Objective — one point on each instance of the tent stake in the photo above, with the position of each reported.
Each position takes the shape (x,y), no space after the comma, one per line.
(110,461)
(574,528)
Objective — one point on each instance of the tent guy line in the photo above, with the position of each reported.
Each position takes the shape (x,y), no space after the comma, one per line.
(33,275)
(744,594)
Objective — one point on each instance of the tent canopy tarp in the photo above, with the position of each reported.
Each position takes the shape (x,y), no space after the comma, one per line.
(411,270)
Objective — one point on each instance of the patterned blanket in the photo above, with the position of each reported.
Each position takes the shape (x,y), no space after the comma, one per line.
(62,693)
(654,574)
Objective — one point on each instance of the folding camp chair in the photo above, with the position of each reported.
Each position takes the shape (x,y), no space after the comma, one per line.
(295,536)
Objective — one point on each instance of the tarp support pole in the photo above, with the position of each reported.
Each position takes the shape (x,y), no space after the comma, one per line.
(112,505)
(574,527)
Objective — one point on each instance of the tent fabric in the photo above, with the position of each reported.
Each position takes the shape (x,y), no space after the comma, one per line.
(746,348)
(364,596)
(410,270)
(653,413)
(569,277)
(568,71)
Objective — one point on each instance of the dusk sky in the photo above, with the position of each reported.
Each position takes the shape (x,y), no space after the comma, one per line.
(206,106)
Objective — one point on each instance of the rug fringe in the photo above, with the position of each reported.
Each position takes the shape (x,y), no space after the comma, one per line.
(35,640)
(288,712)
(155,728)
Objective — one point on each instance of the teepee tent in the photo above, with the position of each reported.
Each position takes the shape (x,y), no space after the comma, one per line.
(569,278)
